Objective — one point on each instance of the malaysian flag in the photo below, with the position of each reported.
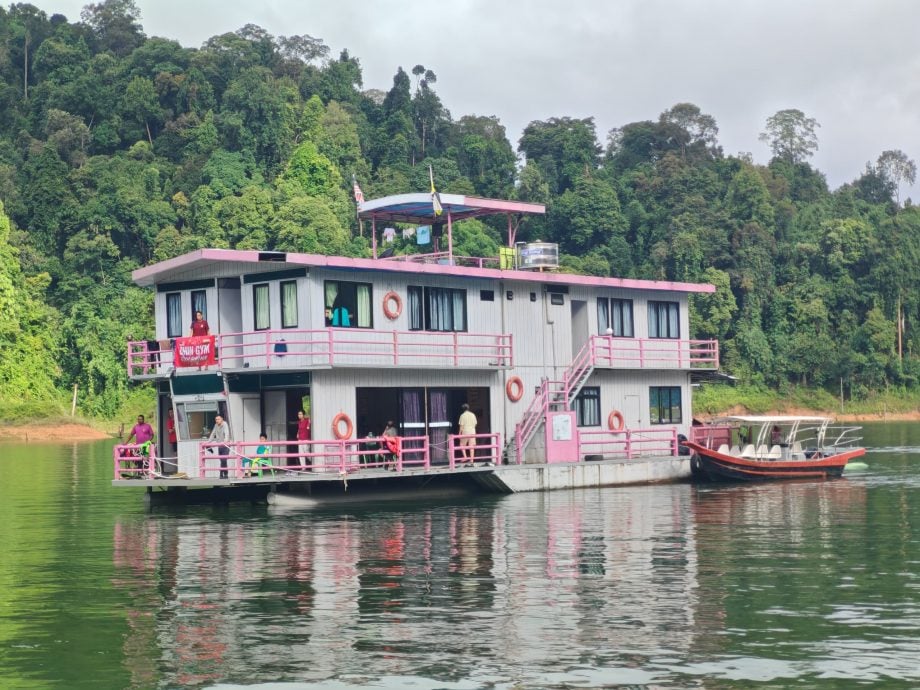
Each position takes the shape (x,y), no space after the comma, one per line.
(359,195)
(435,197)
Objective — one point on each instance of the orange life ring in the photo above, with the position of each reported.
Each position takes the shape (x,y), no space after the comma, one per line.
(514,388)
(337,429)
(394,311)
(615,421)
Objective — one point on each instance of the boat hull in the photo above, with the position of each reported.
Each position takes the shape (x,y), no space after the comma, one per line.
(710,465)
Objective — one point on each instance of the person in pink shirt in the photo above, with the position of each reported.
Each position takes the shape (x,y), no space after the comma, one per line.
(140,432)
(303,435)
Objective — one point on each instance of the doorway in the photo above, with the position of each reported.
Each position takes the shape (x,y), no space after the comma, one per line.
(431,412)
(580,332)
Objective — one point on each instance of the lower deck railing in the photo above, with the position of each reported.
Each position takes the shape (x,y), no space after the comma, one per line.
(279,459)
(628,443)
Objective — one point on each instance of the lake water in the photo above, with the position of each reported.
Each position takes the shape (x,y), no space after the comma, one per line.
(804,584)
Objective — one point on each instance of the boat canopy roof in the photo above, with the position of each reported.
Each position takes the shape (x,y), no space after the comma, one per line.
(417,208)
(775,419)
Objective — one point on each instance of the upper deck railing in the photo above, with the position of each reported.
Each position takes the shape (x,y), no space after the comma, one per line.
(293,349)
(654,353)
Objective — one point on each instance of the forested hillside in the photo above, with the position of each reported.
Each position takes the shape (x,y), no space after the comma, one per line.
(117,150)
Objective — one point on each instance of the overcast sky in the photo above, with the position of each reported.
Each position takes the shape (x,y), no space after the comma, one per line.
(852,65)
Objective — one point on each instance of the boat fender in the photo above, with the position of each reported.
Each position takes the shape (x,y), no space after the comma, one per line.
(337,430)
(615,421)
(514,388)
(392,305)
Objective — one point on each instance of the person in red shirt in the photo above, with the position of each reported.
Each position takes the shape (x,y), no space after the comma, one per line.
(303,434)
(199,325)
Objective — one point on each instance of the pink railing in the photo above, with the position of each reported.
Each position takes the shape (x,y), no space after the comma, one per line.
(654,353)
(447,259)
(628,443)
(321,456)
(712,436)
(484,448)
(328,347)
(134,461)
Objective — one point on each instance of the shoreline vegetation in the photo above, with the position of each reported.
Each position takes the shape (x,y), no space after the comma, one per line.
(709,402)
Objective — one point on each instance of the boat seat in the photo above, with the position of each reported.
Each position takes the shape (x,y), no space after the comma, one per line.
(723,449)
(796,452)
(762,452)
(748,451)
(736,451)
(775,452)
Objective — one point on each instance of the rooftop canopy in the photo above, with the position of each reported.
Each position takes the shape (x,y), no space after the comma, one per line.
(419,209)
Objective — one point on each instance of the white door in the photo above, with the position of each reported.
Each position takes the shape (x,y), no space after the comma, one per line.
(252,422)
(275,415)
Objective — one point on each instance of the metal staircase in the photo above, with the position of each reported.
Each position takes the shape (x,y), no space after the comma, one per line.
(553,395)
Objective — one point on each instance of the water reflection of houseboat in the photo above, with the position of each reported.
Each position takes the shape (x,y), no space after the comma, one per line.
(558,368)
(468,585)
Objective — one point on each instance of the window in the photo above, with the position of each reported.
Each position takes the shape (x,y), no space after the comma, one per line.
(556,299)
(289,304)
(261,318)
(437,309)
(200,303)
(663,320)
(664,405)
(348,305)
(487,295)
(587,406)
(174,315)
(615,314)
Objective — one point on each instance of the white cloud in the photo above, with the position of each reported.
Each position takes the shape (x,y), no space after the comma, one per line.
(852,65)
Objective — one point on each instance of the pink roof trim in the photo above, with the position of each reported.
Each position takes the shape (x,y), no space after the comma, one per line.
(147,276)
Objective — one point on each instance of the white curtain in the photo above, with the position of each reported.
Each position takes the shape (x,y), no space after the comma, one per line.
(260,302)
(289,305)
(603,320)
(364,306)
(416,322)
(174,315)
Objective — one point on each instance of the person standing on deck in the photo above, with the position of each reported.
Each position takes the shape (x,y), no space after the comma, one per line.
(171,438)
(221,434)
(140,432)
(303,435)
(199,325)
(390,443)
(467,426)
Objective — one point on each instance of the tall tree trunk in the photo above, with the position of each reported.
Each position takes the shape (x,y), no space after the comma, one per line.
(149,138)
(25,69)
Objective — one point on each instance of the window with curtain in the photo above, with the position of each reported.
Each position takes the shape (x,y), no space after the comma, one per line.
(415,307)
(615,314)
(663,320)
(437,309)
(348,305)
(664,405)
(289,304)
(587,406)
(173,315)
(261,318)
(200,303)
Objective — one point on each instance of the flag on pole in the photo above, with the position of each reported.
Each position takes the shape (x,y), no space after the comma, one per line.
(359,195)
(435,197)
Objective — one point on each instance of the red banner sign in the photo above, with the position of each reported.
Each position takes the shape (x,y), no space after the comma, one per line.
(198,351)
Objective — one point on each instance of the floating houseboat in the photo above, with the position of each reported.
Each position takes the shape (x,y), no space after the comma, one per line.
(573,380)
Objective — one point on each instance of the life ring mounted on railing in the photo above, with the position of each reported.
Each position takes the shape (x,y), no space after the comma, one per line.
(392,305)
(337,422)
(615,421)
(514,389)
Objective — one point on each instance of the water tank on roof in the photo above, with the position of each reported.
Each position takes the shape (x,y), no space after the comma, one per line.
(539,255)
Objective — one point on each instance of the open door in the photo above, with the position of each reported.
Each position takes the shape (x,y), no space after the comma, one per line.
(580,333)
